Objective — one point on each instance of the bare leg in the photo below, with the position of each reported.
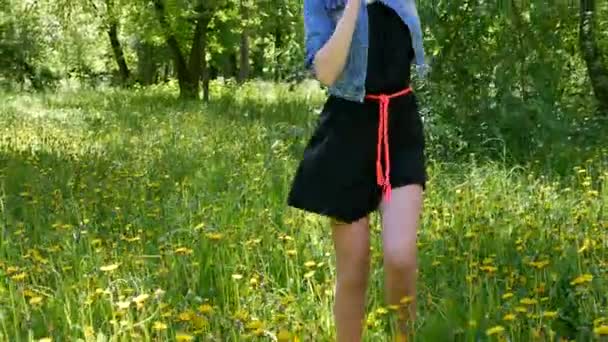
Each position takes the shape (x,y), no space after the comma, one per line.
(400,222)
(351,242)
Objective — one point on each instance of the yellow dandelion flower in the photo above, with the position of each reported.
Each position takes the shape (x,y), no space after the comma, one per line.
(495,330)
(598,321)
(507,295)
(550,314)
(200,322)
(309,274)
(310,264)
(253,281)
(185,316)
(237,276)
(109,268)
(45,339)
(183,337)
(254,325)
(214,236)
(528,301)
(509,317)
(406,300)
(539,264)
(132,239)
(89,331)
(521,309)
(141,298)
(602,330)
(585,278)
(159,326)
(29,293)
(285,238)
(381,311)
(283,336)
(291,252)
(11,270)
(371,320)
(585,246)
(35,300)
(19,277)
(183,251)
(205,308)
(241,315)
(489,269)
(123,305)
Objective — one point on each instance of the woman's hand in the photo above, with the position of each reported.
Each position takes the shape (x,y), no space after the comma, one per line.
(330,60)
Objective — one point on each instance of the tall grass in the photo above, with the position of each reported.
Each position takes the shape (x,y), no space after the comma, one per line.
(126,215)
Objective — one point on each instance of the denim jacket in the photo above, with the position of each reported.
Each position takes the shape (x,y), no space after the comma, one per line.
(320,20)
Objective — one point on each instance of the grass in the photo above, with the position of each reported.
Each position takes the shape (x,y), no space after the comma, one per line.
(126,215)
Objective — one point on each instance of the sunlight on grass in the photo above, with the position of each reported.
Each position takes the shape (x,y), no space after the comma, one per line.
(128,215)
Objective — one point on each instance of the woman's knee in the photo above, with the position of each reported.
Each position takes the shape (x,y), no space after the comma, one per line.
(400,260)
(352,252)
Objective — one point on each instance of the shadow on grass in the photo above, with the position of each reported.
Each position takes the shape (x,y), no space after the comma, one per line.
(291,116)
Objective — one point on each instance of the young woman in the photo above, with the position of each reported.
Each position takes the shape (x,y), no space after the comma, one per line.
(367,151)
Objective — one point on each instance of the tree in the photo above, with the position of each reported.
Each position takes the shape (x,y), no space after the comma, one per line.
(189,70)
(110,21)
(244,46)
(596,65)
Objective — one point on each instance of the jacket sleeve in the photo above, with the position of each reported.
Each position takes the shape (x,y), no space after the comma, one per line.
(318,28)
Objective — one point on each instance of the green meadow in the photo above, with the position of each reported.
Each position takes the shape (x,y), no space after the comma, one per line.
(128,215)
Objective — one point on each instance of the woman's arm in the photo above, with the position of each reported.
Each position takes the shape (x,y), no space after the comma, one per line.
(328,56)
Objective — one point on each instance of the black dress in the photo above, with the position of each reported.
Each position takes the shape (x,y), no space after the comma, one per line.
(337,175)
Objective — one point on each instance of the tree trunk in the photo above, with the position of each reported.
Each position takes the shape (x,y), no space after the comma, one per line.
(231,66)
(166,72)
(244,57)
(197,52)
(213,72)
(596,68)
(118,52)
(146,63)
(205,82)
(244,68)
(520,32)
(204,67)
(188,83)
(278,46)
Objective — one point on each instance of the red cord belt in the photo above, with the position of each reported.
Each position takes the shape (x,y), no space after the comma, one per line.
(383,178)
